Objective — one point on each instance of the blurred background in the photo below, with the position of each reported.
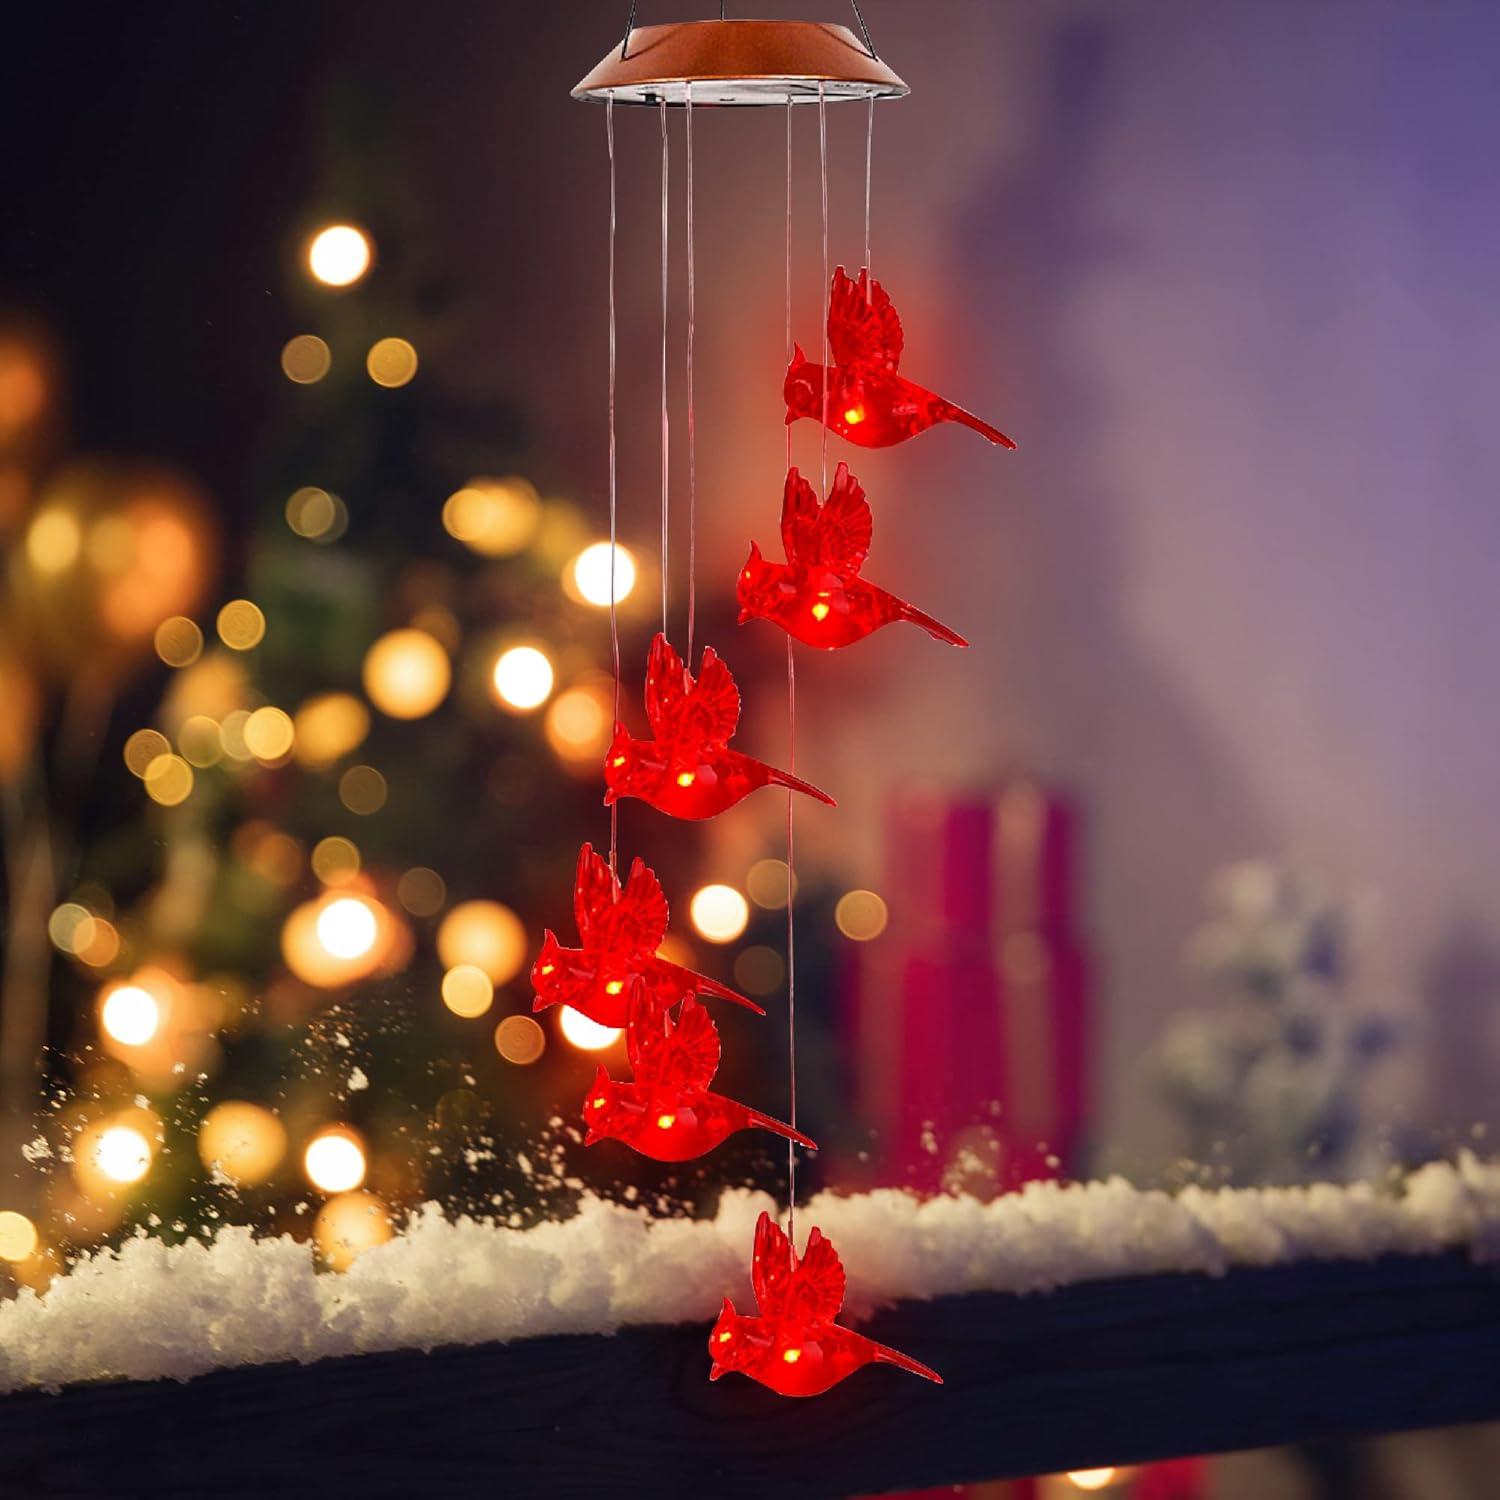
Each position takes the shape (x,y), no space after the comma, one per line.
(1185,869)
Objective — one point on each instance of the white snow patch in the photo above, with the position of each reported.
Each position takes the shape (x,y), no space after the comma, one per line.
(148,1310)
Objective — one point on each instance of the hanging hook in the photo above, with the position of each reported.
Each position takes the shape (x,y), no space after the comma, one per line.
(629,27)
(864,30)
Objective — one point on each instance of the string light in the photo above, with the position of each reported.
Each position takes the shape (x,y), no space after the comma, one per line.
(348,927)
(339,255)
(335,1160)
(523,678)
(406,673)
(130,1014)
(122,1154)
(589,574)
(586,1035)
(719,913)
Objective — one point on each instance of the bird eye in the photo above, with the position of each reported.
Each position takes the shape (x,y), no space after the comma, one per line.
(598,1103)
(725,1337)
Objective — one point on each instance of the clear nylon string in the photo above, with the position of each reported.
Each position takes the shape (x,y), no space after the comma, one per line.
(691,417)
(791,702)
(869,159)
(666,446)
(614,614)
(824,300)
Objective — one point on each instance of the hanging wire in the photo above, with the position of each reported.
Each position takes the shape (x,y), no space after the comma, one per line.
(791,703)
(614,613)
(824,299)
(666,445)
(692,437)
(869,159)
(789,345)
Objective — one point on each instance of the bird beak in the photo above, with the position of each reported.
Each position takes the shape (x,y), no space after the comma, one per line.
(610,797)
(715,1371)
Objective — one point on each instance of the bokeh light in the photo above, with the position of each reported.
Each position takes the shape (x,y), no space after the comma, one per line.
(305,359)
(169,780)
(765,884)
(316,514)
(523,678)
(391,362)
(53,540)
(178,641)
(130,1014)
(1091,1479)
(348,1225)
(351,944)
(335,1160)
(586,1035)
(493,517)
(241,625)
(520,1040)
(241,1141)
(467,990)
(421,891)
(578,725)
(363,790)
(861,915)
(121,1153)
(269,734)
(759,970)
(143,747)
(407,673)
(339,255)
(348,927)
(719,913)
(200,742)
(18,1236)
(588,574)
(335,860)
(485,934)
(329,727)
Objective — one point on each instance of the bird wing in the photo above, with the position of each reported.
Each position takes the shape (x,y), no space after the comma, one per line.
(705,712)
(799,517)
(682,1056)
(771,1266)
(816,1289)
(642,913)
(844,524)
(595,891)
(863,328)
(667,687)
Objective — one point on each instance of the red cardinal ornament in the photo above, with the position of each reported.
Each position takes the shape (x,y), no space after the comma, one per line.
(817,595)
(794,1346)
(616,974)
(868,403)
(687,770)
(667,1112)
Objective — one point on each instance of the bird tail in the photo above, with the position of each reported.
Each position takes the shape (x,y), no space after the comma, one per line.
(888,1356)
(933,627)
(777,1127)
(796,784)
(968,419)
(706,986)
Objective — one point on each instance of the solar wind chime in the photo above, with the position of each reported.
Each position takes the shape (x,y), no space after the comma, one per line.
(686,768)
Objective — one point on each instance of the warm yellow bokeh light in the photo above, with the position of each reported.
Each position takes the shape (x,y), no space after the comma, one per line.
(348,1225)
(329,727)
(53,541)
(421,891)
(467,990)
(232,734)
(586,1035)
(97,943)
(391,362)
(316,514)
(143,747)
(1091,1479)
(523,678)
(18,1236)
(347,928)
(407,673)
(241,625)
(363,790)
(121,1153)
(759,970)
(520,1040)
(493,517)
(178,641)
(861,915)
(130,1014)
(241,1141)
(589,573)
(485,934)
(69,927)
(305,359)
(335,860)
(766,884)
(199,741)
(719,913)
(335,1160)
(169,780)
(269,734)
(339,255)
(578,725)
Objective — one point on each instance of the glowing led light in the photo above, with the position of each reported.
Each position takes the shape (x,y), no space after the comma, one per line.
(719,912)
(854,415)
(467,990)
(143,747)
(334,1161)
(519,1040)
(53,541)
(348,1225)
(122,1154)
(485,935)
(241,625)
(269,734)
(586,1035)
(406,674)
(861,915)
(131,1015)
(241,1141)
(590,574)
(18,1236)
(305,359)
(1091,1479)
(169,780)
(523,678)
(791,1356)
(391,362)
(178,641)
(338,255)
(686,778)
(665,1122)
(348,927)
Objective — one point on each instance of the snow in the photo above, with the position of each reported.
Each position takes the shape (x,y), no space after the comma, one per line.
(150,1310)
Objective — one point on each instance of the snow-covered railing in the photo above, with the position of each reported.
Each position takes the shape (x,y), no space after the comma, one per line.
(560,1364)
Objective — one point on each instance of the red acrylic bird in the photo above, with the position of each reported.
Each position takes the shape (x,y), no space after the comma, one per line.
(616,973)
(794,1346)
(817,595)
(867,401)
(687,770)
(667,1112)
